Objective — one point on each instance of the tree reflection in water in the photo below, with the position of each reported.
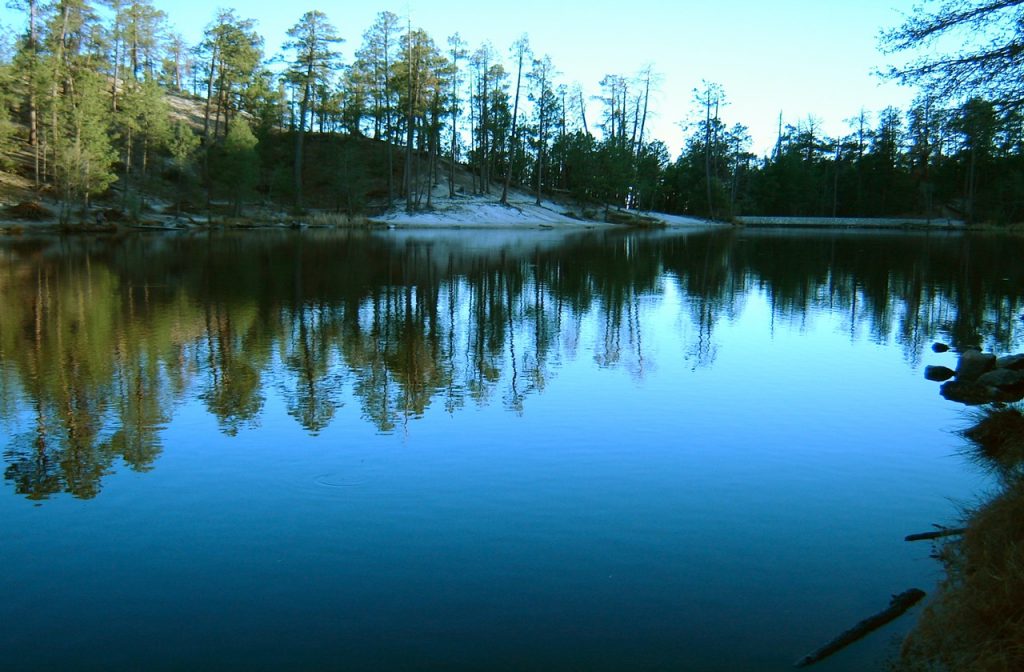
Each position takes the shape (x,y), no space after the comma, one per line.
(99,340)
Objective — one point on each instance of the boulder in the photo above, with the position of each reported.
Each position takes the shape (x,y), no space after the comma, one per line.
(1002,378)
(969,393)
(1015,362)
(938,374)
(973,364)
(940,347)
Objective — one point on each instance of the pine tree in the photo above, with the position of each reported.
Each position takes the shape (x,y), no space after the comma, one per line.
(520,50)
(144,120)
(7,127)
(78,126)
(418,77)
(232,52)
(457,47)
(29,65)
(238,163)
(182,145)
(177,64)
(546,110)
(312,41)
(374,65)
(83,155)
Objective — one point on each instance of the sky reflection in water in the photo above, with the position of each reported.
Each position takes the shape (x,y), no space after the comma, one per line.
(467,451)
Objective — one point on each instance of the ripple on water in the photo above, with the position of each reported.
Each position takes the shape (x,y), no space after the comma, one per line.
(338,480)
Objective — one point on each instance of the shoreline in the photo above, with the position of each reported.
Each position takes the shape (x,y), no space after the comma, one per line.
(475,213)
(461,213)
(939,224)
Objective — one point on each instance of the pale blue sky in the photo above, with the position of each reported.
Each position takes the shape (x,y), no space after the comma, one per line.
(795,56)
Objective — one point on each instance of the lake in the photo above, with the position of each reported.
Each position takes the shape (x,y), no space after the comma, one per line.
(480,450)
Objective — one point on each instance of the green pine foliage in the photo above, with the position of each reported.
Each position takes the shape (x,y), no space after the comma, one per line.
(236,166)
(83,154)
(8,144)
(8,130)
(183,144)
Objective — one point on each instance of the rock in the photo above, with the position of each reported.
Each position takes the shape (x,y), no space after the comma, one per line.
(1002,378)
(938,374)
(973,364)
(1015,362)
(969,393)
(940,347)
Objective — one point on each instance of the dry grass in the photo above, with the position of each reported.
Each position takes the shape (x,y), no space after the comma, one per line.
(976,622)
(14,188)
(997,439)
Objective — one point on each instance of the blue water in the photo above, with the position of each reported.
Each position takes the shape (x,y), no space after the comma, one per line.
(678,451)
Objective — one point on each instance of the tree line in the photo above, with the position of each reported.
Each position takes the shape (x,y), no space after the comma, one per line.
(963,161)
(84,88)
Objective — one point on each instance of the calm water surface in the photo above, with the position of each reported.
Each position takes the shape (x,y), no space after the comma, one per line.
(469,451)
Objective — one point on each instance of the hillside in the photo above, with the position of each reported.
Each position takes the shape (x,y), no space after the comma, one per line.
(344,184)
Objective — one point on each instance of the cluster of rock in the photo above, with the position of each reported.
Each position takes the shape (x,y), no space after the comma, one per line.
(980,378)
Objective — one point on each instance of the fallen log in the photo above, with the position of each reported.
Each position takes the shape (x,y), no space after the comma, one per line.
(937,534)
(897,607)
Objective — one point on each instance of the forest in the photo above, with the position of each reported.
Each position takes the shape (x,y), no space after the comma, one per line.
(105,101)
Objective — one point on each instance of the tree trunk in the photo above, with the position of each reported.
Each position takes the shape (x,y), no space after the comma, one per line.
(388,128)
(455,124)
(707,156)
(409,130)
(33,135)
(633,146)
(541,135)
(622,112)
(540,171)
(127,167)
(434,141)
(583,114)
(409,133)
(220,103)
(117,59)
(485,159)
(563,180)
(209,94)
(515,125)
(835,184)
(472,132)
(971,183)
(300,134)
(33,114)
(643,119)
(417,166)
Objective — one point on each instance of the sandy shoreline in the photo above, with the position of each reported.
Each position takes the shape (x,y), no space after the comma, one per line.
(468,212)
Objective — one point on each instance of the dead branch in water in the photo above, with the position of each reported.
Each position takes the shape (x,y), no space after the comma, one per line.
(937,534)
(897,607)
